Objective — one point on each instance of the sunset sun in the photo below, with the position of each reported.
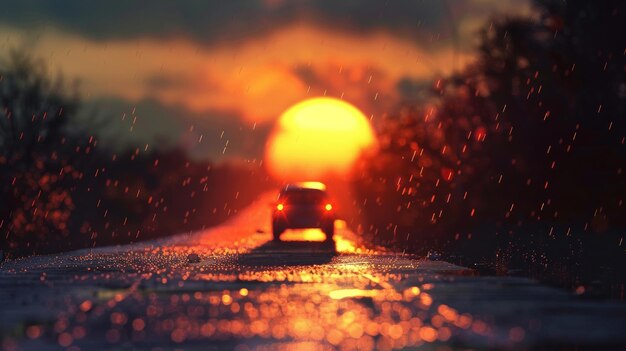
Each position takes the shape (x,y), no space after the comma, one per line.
(317,138)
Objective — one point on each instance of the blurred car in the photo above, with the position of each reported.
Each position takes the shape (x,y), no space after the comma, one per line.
(303,205)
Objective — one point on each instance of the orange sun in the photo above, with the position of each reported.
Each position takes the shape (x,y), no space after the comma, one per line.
(317,138)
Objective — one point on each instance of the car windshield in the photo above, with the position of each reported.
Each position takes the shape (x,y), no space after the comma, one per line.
(304,197)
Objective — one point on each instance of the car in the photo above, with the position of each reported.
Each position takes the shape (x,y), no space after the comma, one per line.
(303,205)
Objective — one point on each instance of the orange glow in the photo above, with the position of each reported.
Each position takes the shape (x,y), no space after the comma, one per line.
(316,138)
(86,306)
(304,235)
(345,245)
(342,244)
(328,207)
(253,77)
(428,334)
(348,293)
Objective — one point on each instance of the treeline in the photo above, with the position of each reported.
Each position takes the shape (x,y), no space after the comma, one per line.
(61,190)
(518,161)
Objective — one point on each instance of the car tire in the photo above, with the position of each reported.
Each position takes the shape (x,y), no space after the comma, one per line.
(276,231)
(329,230)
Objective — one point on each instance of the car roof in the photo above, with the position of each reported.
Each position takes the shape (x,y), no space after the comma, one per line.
(303,186)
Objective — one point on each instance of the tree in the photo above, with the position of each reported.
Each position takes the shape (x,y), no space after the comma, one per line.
(33,114)
(523,150)
(60,190)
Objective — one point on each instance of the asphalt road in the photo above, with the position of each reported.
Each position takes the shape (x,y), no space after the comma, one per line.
(230,287)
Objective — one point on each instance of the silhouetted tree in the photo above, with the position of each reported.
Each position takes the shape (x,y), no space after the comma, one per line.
(520,157)
(33,114)
(60,190)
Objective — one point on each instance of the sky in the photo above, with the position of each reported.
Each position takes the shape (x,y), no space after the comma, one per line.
(212,77)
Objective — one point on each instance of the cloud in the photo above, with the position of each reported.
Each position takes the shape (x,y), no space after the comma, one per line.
(368,86)
(257,79)
(211,135)
(163,81)
(413,91)
(214,22)
(235,66)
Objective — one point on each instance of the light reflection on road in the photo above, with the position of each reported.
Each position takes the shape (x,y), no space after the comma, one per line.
(232,287)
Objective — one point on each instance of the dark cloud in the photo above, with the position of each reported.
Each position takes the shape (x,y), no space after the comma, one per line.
(366,86)
(168,81)
(308,75)
(122,124)
(412,90)
(208,22)
(211,135)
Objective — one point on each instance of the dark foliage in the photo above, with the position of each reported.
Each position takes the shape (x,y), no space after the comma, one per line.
(520,161)
(60,190)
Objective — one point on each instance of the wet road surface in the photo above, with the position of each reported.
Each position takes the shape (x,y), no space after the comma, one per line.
(230,287)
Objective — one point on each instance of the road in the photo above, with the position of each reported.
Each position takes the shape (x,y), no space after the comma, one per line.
(230,287)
